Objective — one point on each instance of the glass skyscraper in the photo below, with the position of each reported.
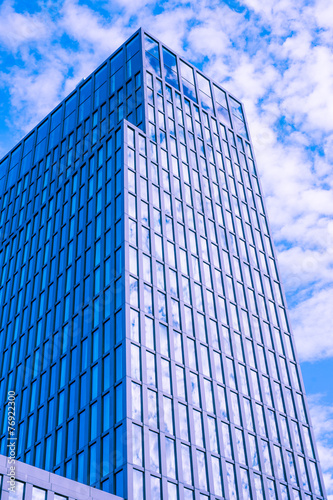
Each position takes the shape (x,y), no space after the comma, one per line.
(143,323)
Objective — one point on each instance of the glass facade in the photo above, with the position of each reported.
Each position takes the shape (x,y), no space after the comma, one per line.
(144,326)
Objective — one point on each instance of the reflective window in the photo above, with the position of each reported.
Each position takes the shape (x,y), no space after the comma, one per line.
(201,461)
(138,491)
(198,428)
(135,362)
(168,415)
(180,382)
(231,481)
(279,462)
(227,440)
(267,457)
(258,487)
(253,452)
(245,484)
(271,489)
(183,421)
(152,408)
(212,434)
(166,381)
(170,68)
(304,475)
(195,389)
(136,401)
(19,491)
(152,55)
(186,462)
(154,452)
(151,369)
(315,477)
(155,488)
(170,458)
(137,444)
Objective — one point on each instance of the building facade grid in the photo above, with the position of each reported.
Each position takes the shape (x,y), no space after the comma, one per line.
(145,327)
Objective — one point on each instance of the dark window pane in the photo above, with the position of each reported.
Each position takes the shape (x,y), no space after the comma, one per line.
(70,104)
(116,62)
(133,47)
(85,90)
(101,76)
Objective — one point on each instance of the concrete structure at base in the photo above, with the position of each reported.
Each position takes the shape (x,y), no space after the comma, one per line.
(32,483)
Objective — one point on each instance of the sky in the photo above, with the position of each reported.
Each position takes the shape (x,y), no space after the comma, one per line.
(276,56)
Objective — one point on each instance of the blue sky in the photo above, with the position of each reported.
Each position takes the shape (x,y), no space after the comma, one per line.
(277,57)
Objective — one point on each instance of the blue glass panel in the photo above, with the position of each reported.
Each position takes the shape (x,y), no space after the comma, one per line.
(69,123)
(240,127)
(223,114)
(84,109)
(171,77)
(117,79)
(41,131)
(133,47)
(189,90)
(4,166)
(151,46)
(56,118)
(80,468)
(120,483)
(26,163)
(206,101)
(100,95)
(93,421)
(153,64)
(12,176)
(138,488)
(82,429)
(133,65)
(107,458)
(169,59)
(101,76)
(204,84)
(15,156)
(119,445)
(117,62)
(119,363)
(85,90)
(48,453)
(70,104)
(220,96)
(28,144)
(236,108)
(54,137)
(106,411)
(59,445)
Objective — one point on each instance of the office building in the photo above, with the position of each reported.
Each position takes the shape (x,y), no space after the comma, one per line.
(144,326)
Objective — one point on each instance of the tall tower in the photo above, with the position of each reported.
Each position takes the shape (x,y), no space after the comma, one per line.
(144,328)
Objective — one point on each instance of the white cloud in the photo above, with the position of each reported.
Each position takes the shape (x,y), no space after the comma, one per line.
(39,90)
(323,12)
(312,325)
(18,29)
(90,29)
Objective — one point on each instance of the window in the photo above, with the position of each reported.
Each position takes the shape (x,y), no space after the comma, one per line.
(154,453)
(137,445)
(186,462)
(170,458)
